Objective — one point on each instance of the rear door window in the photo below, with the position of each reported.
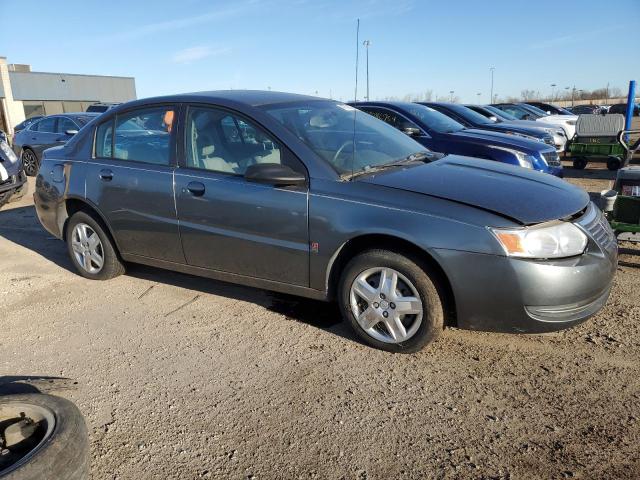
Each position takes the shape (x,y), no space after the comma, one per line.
(104,140)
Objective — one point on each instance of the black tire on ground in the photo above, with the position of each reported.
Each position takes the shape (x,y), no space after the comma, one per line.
(579,163)
(614,163)
(113,265)
(65,454)
(30,162)
(4,198)
(426,282)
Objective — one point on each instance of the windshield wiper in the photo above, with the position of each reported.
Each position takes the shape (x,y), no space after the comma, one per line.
(409,159)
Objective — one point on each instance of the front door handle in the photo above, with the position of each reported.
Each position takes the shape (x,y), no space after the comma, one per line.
(106,175)
(195,188)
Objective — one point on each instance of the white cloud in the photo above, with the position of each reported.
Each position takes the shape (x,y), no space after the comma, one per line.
(180,23)
(194,54)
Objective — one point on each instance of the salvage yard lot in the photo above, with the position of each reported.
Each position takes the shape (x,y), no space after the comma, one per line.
(184,377)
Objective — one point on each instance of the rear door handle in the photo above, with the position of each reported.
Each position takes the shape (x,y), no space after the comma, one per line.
(106,175)
(195,188)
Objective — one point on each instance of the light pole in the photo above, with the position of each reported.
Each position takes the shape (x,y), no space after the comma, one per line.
(553,94)
(367,44)
(451,92)
(492,70)
(478,94)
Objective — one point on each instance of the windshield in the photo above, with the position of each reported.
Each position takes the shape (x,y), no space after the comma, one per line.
(499,113)
(350,140)
(470,115)
(83,120)
(434,120)
(535,110)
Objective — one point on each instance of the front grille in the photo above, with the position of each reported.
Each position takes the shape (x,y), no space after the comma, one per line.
(552,159)
(597,226)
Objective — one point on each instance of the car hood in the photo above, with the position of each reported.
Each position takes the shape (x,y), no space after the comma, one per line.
(559,119)
(522,195)
(514,127)
(493,138)
(529,124)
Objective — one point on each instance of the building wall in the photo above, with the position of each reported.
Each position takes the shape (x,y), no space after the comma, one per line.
(62,86)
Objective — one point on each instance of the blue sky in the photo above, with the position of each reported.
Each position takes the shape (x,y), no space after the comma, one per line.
(308,46)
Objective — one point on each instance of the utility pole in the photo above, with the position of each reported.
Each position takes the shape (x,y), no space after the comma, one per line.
(478,94)
(553,94)
(367,44)
(451,92)
(492,70)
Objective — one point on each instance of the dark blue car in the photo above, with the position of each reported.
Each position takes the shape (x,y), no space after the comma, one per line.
(471,119)
(440,133)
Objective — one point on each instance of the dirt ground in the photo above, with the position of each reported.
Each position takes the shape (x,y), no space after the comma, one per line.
(181,377)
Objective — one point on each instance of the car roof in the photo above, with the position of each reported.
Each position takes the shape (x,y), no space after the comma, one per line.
(400,105)
(253,98)
(76,114)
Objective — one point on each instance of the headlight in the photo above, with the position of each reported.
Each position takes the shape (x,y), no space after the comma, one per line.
(524,160)
(557,240)
(571,122)
(8,152)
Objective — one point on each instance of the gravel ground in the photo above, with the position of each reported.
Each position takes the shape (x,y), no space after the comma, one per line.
(182,377)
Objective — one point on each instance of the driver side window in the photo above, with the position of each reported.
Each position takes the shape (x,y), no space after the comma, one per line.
(221,142)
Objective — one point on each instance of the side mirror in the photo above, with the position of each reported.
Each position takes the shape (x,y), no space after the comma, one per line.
(71,132)
(526,116)
(412,131)
(274,174)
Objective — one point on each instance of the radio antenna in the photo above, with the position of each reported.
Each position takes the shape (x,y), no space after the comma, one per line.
(355,97)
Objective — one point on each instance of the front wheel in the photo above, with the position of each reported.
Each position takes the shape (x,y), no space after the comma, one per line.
(579,163)
(391,301)
(91,249)
(30,162)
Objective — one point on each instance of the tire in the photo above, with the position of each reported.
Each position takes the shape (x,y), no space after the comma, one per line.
(420,329)
(30,162)
(614,163)
(579,163)
(59,448)
(4,198)
(111,266)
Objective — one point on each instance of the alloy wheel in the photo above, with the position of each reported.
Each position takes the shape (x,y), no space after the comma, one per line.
(29,162)
(87,248)
(386,305)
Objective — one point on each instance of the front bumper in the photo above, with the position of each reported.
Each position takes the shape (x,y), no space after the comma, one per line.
(502,294)
(14,182)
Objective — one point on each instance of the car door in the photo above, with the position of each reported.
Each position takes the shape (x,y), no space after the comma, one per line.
(228,223)
(130,180)
(42,135)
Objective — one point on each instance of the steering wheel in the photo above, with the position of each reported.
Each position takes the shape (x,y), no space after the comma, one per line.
(339,151)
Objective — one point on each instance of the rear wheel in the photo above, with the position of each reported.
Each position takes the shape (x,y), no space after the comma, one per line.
(91,249)
(579,163)
(30,162)
(391,301)
(614,163)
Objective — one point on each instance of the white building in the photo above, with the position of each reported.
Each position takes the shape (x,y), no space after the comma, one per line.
(24,93)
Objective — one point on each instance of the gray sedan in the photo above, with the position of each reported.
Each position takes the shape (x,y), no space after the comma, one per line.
(311,197)
(44,133)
